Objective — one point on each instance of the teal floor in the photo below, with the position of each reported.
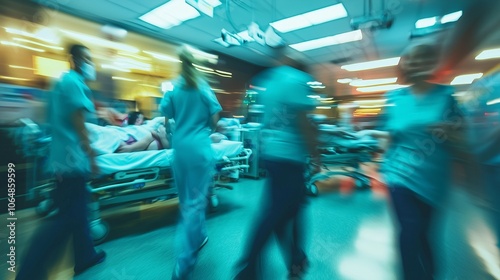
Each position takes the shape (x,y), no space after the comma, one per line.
(348,237)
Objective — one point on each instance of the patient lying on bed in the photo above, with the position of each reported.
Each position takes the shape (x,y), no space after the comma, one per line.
(132,138)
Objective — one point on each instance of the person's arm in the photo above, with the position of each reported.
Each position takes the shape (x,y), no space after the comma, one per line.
(310,133)
(78,121)
(214,119)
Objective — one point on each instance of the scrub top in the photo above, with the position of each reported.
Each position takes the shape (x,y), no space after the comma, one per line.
(286,95)
(419,158)
(192,110)
(69,95)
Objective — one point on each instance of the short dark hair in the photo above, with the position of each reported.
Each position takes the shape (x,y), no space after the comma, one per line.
(132,117)
(76,50)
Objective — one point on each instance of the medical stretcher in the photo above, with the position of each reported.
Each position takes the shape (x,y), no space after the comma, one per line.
(133,177)
(342,153)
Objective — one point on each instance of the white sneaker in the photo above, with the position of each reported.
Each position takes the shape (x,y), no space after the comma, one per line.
(203,243)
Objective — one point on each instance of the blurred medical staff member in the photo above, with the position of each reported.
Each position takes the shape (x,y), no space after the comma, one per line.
(482,112)
(195,109)
(288,138)
(72,161)
(421,126)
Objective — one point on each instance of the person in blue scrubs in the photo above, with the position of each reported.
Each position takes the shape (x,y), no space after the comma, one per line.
(195,109)
(72,161)
(422,127)
(288,138)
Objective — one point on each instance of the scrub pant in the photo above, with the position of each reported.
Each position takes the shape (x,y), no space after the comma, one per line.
(286,196)
(193,173)
(71,199)
(415,218)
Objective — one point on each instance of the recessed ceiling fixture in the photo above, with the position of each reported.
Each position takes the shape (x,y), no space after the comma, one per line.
(343,38)
(315,17)
(372,64)
(170,14)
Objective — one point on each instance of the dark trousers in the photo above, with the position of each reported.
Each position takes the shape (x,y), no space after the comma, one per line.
(286,196)
(70,197)
(415,218)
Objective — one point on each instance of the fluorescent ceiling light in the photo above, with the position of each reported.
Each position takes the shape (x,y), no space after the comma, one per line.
(493,102)
(100,42)
(162,56)
(21,67)
(224,72)
(323,107)
(21,46)
(44,34)
(314,96)
(328,41)
(151,86)
(129,63)
(38,44)
(380,101)
(373,82)
(372,64)
(380,88)
(315,83)
(451,17)
(466,79)
(489,54)
(134,56)
(14,78)
(344,81)
(426,22)
(123,79)
(114,67)
(200,55)
(170,14)
(319,16)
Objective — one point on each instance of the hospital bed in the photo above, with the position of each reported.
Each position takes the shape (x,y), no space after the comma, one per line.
(342,153)
(134,177)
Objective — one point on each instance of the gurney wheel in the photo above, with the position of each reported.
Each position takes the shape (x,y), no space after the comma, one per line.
(313,189)
(45,207)
(99,230)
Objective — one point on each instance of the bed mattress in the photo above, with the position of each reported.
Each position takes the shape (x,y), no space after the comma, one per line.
(112,163)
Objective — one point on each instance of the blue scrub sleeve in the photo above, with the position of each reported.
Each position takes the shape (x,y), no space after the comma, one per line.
(76,98)
(213,104)
(166,106)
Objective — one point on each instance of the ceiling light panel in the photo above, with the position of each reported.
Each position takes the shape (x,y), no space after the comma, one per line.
(373,82)
(489,54)
(451,17)
(380,88)
(466,79)
(319,16)
(343,38)
(372,64)
(426,22)
(170,14)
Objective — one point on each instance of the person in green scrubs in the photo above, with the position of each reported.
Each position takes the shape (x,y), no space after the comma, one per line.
(195,109)
(421,125)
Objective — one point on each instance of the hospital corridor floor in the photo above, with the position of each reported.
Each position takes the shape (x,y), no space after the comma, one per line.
(349,236)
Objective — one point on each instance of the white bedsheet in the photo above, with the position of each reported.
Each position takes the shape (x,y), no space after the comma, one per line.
(114,162)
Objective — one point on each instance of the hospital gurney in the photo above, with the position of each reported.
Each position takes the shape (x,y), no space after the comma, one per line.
(138,176)
(344,151)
